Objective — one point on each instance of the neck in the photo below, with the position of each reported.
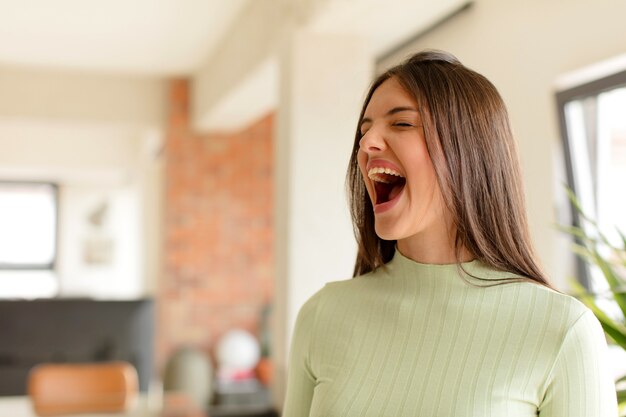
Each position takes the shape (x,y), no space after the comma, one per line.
(431,251)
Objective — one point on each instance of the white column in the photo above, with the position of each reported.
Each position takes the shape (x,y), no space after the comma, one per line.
(323,80)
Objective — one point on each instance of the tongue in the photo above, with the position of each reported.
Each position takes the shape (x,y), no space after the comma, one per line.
(395,191)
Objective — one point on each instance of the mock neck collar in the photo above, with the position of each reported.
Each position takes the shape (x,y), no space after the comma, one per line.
(403,266)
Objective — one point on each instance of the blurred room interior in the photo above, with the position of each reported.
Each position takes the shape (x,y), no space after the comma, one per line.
(172,173)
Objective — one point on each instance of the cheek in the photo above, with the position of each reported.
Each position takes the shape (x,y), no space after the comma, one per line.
(422,180)
(362,160)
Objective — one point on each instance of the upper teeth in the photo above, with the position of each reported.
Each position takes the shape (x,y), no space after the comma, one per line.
(372,174)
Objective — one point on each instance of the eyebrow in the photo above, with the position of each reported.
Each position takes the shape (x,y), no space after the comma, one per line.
(389,113)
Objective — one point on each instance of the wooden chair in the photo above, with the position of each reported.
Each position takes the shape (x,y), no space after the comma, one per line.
(57,389)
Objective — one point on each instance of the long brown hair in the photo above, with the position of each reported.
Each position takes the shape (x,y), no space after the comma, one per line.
(474,155)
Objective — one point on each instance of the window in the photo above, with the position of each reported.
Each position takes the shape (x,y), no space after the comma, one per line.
(28,225)
(593,126)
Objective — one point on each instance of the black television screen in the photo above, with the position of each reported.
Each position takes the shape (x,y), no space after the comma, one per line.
(73,331)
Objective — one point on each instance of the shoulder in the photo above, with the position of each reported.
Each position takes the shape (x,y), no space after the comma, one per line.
(549,314)
(556,304)
(330,290)
(543,313)
(338,290)
(320,297)
(580,366)
(310,306)
(533,297)
(576,317)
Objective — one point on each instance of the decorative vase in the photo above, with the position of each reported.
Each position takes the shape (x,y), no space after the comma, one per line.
(189,372)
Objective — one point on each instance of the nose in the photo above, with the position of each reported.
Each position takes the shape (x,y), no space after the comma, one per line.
(372,141)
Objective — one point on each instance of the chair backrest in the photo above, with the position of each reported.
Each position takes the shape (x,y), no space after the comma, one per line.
(57,389)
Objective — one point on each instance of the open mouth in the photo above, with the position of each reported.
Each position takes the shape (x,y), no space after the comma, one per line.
(388,183)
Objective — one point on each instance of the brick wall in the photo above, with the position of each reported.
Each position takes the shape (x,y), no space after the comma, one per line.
(218,230)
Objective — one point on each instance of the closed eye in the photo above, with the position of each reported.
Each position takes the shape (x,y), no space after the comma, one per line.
(403,124)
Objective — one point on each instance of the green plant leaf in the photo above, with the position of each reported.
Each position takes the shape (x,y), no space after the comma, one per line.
(593,257)
(588,243)
(621,234)
(621,396)
(576,203)
(572,230)
(616,284)
(591,242)
(615,330)
(584,252)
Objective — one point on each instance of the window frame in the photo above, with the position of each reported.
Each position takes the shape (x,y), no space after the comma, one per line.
(50,266)
(579,92)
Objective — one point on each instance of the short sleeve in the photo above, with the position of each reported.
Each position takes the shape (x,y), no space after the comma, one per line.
(580,384)
(300,378)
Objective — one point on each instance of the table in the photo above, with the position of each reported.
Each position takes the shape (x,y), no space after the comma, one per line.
(173,405)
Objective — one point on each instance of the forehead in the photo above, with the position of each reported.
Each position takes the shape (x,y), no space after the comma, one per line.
(388,95)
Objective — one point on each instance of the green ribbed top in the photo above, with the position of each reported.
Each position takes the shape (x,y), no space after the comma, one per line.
(417,340)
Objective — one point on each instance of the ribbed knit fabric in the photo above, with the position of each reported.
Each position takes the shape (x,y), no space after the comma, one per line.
(416,340)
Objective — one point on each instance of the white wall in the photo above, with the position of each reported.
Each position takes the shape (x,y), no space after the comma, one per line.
(66,151)
(98,137)
(323,80)
(43,94)
(523,47)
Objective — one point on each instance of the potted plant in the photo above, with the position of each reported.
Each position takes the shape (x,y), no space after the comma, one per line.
(593,246)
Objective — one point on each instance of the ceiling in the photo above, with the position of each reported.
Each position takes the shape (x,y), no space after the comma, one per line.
(174,37)
(385,23)
(148,37)
(88,43)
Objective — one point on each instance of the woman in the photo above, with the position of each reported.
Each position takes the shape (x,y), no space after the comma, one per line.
(449,313)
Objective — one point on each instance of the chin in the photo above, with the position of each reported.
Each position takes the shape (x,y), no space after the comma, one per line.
(387,232)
